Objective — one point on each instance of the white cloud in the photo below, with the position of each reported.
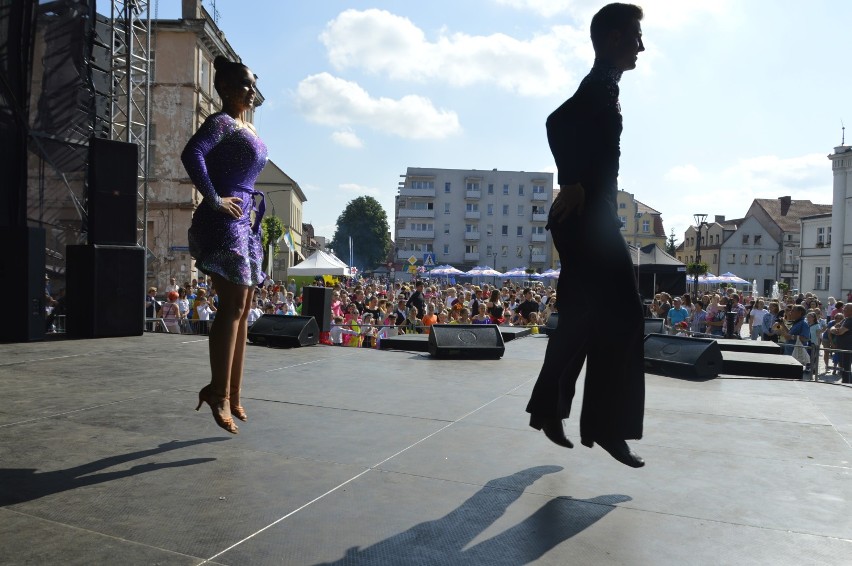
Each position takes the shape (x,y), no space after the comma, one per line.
(359,189)
(683,174)
(347,138)
(336,102)
(380,42)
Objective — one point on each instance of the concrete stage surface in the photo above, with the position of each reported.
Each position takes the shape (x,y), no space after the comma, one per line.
(358,456)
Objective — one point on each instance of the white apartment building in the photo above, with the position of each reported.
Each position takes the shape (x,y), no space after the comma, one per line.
(469,217)
(840,283)
(815,255)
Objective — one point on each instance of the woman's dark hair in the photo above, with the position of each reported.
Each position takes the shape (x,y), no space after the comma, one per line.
(495,297)
(613,17)
(226,71)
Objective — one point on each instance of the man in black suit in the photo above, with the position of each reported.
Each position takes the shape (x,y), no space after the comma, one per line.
(417,300)
(584,135)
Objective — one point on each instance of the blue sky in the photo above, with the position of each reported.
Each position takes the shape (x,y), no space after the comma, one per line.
(731,100)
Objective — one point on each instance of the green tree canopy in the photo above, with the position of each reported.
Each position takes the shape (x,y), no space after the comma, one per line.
(671,244)
(365,220)
(273,228)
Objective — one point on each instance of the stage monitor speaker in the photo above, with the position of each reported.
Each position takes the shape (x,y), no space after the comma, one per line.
(681,356)
(284,331)
(105,291)
(551,324)
(22,273)
(472,341)
(112,189)
(316,302)
(654,326)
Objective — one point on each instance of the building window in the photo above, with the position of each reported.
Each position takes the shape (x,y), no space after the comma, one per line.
(446,208)
(504,251)
(770,260)
(820,239)
(538,189)
(504,230)
(471,249)
(717,238)
(818,278)
(745,239)
(520,251)
(714,259)
(423,185)
(732,258)
(538,230)
(757,239)
(490,210)
(827,273)
(447,187)
(468,228)
(520,210)
(828,236)
(505,210)
(758,260)
(472,207)
(622,205)
(520,231)
(446,228)
(421,206)
(421,227)
(489,230)
(506,189)
(488,251)
(472,186)
(744,259)
(490,191)
(520,190)
(623,222)
(646,226)
(446,249)
(788,256)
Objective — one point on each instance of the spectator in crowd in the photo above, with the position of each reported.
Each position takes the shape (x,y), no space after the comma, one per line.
(170,313)
(429,318)
(677,314)
(417,300)
(482,317)
(842,332)
(204,310)
(256,312)
(698,318)
(412,323)
(812,319)
(755,320)
(495,308)
(798,329)
(527,307)
(172,286)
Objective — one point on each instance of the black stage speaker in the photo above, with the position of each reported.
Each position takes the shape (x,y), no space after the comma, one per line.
(654,326)
(284,331)
(22,274)
(105,292)
(682,356)
(473,341)
(316,302)
(551,324)
(111,193)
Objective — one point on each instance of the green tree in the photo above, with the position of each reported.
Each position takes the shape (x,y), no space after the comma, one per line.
(671,244)
(365,221)
(273,229)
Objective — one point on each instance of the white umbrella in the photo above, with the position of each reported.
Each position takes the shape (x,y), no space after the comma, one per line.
(553,273)
(520,273)
(483,271)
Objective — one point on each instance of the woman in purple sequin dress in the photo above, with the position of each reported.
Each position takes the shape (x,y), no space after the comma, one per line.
(223,159)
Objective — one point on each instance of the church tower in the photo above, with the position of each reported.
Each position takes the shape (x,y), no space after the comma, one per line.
(841,232)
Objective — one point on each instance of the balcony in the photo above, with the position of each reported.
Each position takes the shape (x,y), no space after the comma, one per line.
(471,236)
(539,217)
(471,215)
(415,234)
(403,255)
(409,192)
(471,256)
(415,213)
(474,194)
(538,258)
(538,237)
(539,197)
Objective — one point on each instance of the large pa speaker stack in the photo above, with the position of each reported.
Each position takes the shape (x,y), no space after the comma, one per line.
(112,189)
(468,341)
(22,274)
(316,302)
(654,325)
(681,356)
(284,331)
(105,291)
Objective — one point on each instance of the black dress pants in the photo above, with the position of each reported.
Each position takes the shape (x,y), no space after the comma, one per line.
(600,323)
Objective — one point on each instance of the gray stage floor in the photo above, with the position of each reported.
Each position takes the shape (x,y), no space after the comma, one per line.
(356,456)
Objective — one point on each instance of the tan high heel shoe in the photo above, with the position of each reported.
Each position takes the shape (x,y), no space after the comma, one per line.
(218,407)
(239,412)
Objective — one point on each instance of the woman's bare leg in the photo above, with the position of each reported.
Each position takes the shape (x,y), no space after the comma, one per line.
(240,353)
(224,332)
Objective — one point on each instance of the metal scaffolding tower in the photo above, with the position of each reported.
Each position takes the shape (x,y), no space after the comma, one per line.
(130,88)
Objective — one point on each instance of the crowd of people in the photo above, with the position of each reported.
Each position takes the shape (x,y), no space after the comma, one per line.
(795,321)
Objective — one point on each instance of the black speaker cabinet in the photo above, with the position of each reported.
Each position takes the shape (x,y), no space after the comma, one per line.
(105,293)
(654,326)
(551,324)
(472,341)
(681,356)
(284,331)
(316,302)
(22,274)
(112,189)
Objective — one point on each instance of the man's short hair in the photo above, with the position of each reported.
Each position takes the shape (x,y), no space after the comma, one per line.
(613,17)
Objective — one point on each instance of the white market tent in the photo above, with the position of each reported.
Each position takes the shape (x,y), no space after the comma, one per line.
(319,263)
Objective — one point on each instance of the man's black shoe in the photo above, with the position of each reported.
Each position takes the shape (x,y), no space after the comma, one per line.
(619,450)
(553,430)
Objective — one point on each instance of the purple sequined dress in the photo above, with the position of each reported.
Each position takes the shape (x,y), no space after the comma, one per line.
(224,160)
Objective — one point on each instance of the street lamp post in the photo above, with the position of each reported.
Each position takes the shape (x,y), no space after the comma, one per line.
(700,221)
